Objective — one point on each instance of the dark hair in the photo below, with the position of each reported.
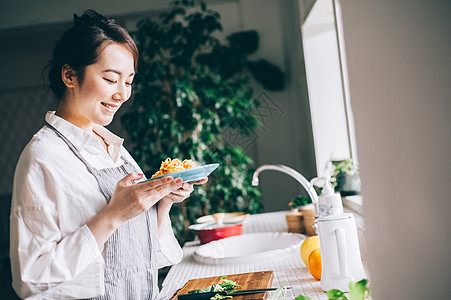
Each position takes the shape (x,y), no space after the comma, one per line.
(81,45)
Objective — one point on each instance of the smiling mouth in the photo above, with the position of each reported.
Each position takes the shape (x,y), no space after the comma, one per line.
(110,107)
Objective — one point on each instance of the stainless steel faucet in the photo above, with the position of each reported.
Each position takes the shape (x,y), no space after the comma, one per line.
(293,173)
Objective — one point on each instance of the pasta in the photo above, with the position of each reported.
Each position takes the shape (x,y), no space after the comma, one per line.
(174,165)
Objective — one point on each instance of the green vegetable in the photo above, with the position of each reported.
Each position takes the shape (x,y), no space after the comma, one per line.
(220,297)
(281,290)
(227,285)
(336,295)
(357,291)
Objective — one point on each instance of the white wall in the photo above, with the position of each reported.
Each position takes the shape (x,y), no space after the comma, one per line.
(285,135)
(398,55)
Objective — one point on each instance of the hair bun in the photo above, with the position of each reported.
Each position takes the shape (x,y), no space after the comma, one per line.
(76,19)
(90,17)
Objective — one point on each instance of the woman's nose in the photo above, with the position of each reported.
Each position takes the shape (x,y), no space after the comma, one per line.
(121,93)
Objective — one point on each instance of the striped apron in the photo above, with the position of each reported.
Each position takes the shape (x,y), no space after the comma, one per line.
(131,270)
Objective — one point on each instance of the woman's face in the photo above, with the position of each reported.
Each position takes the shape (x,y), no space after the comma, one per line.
(106,85)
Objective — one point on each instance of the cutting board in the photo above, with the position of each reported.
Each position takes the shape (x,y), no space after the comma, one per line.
(253,280)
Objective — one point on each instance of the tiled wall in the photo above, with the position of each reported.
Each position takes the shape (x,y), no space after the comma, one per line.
(22,114)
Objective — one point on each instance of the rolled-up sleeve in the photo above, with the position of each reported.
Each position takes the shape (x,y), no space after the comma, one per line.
(169,250)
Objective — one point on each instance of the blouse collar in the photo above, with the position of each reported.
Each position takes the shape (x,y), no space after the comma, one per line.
(80,138)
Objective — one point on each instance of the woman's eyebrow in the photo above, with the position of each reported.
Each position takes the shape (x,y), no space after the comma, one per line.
(117,72)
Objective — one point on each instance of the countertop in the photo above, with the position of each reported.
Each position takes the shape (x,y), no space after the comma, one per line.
(288,270)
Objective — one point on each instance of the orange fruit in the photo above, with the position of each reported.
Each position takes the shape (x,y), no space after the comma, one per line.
(314,264)
(308,246)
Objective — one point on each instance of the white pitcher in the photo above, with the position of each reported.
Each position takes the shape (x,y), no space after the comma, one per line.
(340,252)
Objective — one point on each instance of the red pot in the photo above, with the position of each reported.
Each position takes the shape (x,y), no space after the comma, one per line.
(207,233)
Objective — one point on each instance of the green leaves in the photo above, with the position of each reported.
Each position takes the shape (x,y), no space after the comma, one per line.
(220,297)
(182,108)
(335,294)
(268,74)
(246,41)
(227,285)
(300,201)
(357,291)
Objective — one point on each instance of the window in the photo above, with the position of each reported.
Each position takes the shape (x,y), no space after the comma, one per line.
(332,122)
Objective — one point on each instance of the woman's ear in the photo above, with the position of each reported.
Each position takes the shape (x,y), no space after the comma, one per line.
(68,76)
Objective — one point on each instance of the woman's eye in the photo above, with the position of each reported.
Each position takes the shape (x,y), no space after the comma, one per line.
(129,83)
(110,81)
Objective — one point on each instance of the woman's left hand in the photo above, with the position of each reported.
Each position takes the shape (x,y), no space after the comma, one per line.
(183,192)
(177,196)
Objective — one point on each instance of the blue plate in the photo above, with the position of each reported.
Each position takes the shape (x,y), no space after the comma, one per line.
(191,174)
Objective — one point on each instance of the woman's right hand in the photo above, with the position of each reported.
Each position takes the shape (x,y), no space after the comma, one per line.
(128,201)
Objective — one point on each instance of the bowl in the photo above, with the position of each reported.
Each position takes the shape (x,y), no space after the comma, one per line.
(212,232)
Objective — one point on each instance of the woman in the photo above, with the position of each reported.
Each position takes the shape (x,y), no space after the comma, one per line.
(81,225)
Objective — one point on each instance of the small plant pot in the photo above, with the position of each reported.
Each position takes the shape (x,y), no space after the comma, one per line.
(295,222)
(348,185)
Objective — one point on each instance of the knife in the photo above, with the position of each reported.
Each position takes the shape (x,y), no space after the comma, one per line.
(208,295)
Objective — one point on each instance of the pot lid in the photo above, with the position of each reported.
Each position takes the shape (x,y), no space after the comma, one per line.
(212,226)
(226,217)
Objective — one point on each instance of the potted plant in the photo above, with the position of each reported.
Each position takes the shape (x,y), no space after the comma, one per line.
(189,90)
(345,178)
(298,202)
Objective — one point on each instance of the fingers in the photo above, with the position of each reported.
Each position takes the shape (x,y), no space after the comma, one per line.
(151,184)
(187,187)
(179,195)
(148,185)
(177,183)
(162,190)
(174,190)
(182,193)
(202,181)
(129,179)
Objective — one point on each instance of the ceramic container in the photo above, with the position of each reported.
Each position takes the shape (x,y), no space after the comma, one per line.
(340,252)
(212,231)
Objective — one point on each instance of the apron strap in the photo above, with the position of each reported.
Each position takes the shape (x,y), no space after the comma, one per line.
(71,146)
(130,252)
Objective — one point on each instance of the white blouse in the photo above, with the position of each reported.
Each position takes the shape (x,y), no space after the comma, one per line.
(53,252)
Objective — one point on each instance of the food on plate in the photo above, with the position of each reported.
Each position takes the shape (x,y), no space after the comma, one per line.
(174,165)
(308,246)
